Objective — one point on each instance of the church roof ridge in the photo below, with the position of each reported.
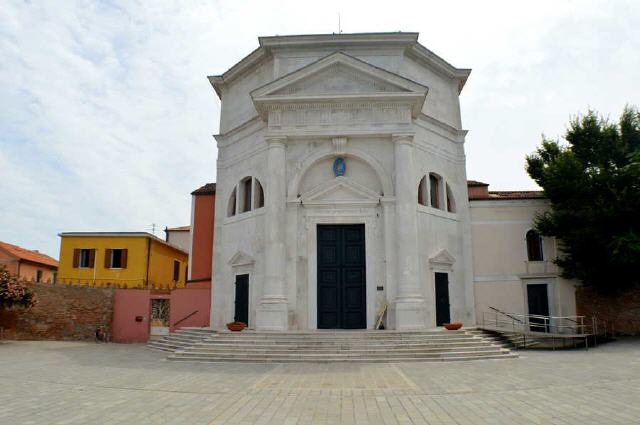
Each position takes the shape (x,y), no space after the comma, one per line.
(410,39)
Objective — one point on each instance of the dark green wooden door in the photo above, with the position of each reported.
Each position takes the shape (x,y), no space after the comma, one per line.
(443,314)
(242,299)
(341,277)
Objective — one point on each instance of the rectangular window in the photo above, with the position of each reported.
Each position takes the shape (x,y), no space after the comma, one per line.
(176,270)
(83,258)
(434,182)
(245,190)
(39,276)
(115,258)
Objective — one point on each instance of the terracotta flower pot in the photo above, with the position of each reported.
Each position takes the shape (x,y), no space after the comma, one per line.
(236,326)
(454,326)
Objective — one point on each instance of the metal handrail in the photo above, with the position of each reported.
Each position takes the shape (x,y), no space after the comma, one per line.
(540,323)
(502,312)
(185,318)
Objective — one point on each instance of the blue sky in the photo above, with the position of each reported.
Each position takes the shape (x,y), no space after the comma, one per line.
(107,115)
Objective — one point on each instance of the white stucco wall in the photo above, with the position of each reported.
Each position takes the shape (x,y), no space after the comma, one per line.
(501,269)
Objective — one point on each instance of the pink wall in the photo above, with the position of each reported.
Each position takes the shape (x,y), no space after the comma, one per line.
(128,304)
(186,300)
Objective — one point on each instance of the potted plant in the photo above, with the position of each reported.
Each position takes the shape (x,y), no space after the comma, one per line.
(236,326)
(453,326)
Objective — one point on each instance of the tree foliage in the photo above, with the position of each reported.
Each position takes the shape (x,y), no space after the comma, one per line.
(593,183)
(13,291)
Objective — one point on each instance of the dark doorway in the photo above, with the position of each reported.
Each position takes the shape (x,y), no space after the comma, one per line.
(242,299)
(443,315)
(538,301)
(341,277)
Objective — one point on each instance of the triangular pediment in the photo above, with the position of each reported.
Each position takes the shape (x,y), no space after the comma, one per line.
(442,257)
(339,77)
(241,258)
(340,190)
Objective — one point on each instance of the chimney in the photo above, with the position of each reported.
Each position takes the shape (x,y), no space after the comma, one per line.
(477,190)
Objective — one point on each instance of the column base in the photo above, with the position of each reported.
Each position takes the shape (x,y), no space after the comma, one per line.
(272,315)
(410,314)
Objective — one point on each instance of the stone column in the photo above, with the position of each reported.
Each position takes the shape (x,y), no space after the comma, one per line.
(409,303)
(271,314)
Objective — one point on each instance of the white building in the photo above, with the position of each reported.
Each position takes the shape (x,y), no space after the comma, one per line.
(341,187)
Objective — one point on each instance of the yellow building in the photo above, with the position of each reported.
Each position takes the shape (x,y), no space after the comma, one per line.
(121,259)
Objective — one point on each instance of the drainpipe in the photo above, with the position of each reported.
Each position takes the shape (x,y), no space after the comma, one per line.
(95,255)
(146,279)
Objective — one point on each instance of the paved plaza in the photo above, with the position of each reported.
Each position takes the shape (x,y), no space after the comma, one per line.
(87,383)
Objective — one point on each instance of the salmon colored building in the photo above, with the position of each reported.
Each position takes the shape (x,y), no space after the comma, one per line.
(201,251)
(28,264)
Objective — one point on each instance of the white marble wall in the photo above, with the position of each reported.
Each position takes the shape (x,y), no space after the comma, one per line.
(405,242)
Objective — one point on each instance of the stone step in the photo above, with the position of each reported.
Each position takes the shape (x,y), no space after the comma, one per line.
(342,334)
(454,356)
(180,337)
(253,339)
(320,346)
(320,351)
(350,344)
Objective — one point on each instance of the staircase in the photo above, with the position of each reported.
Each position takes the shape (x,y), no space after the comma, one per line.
(180,339)
(512,340)
(330,346)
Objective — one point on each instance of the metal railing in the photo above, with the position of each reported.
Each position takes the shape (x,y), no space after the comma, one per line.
(185,318)
(540,326)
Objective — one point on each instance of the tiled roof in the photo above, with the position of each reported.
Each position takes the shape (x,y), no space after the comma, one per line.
(476,183)
(28,255)
(178,229)
(510,194)
(207,189)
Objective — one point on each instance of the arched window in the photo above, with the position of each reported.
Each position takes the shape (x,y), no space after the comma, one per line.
(231,207)
(422,191)
(258,202)
(434,192)
(451,202)
(246,196)
(534,246)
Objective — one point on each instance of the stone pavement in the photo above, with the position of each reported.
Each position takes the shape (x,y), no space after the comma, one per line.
(87,383)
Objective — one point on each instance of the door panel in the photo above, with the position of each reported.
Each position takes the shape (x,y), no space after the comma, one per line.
(242,299)
(443,314)
(341,277)
(538,303)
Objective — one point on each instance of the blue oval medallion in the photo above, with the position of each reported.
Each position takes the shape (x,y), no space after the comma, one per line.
(339,167)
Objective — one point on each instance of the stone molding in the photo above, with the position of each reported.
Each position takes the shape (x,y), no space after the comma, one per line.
(241,258)
(276,141)
(403,138)
(307,162)
(442,260)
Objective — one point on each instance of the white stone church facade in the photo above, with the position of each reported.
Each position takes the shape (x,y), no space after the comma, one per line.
(342,189)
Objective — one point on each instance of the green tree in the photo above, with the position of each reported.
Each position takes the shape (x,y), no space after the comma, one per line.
(13,291)
(592,180)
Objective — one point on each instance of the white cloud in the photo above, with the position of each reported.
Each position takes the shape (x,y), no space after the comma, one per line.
(107,115)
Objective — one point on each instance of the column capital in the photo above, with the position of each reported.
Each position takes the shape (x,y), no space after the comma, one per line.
(276,141)
(403,138)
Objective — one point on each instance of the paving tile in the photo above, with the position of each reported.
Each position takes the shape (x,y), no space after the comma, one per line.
(82,383)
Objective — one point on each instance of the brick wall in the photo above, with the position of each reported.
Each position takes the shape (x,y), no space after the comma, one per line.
(623,310)
(63,312)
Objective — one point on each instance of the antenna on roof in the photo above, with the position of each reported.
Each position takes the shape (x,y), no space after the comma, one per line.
(339,25)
